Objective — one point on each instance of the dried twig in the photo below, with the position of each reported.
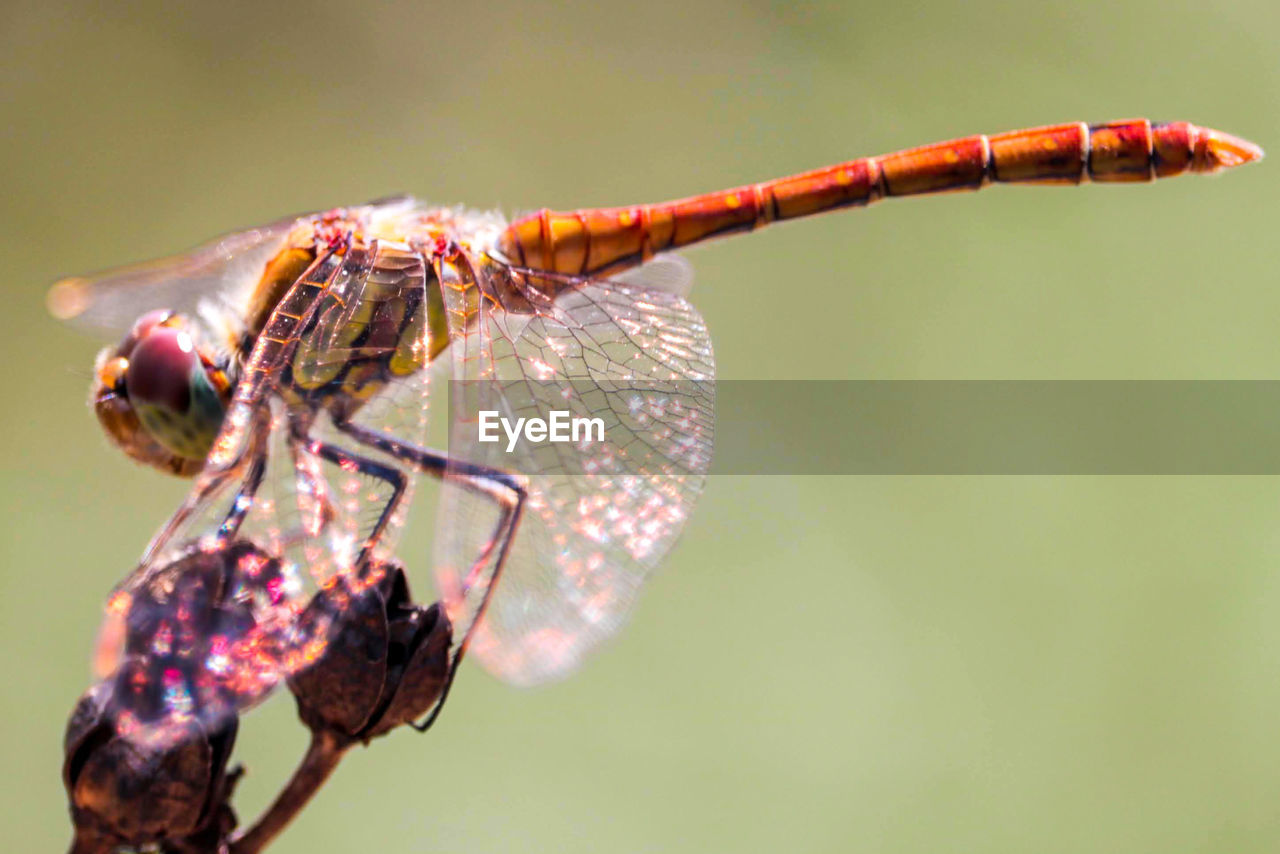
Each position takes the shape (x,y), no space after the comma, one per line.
(322,757)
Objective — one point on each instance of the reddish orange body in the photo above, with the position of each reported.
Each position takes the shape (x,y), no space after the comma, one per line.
(605,240)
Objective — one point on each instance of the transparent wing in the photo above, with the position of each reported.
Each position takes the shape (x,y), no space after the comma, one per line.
(671,273)
(288,505)
(600,515)
(110,301)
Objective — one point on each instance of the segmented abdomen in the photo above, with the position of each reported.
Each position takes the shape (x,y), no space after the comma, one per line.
(609,239)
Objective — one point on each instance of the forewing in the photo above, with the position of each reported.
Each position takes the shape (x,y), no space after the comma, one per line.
(108,302)
(600,515)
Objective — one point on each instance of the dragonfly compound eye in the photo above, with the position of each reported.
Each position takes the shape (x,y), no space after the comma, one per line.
(159,396)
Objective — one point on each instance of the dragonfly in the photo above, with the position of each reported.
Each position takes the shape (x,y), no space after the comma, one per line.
(288,370)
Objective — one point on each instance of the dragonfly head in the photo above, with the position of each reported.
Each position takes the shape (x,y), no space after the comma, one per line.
(160,396)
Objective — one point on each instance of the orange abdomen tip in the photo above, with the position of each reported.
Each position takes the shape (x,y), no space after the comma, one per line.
(1215,151)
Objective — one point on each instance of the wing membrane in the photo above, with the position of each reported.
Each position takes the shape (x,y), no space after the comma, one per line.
(667,272)
(110,301)
(599,516)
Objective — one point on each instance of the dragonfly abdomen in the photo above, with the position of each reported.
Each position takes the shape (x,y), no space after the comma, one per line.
(603,240)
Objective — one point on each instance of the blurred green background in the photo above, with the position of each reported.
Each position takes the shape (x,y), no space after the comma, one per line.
(1058,664)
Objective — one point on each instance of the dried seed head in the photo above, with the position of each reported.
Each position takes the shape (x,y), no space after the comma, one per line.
(130,792)
(385,664)
(147,747)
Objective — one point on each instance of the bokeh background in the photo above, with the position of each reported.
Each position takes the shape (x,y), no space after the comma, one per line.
(895,664)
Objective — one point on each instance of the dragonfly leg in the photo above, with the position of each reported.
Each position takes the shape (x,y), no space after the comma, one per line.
(509,491)
(211,480)
(349,460)
(310,484)
(506,490)
(505,534)
(243,502)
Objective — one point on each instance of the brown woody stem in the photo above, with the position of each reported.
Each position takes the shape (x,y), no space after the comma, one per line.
(322,757)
